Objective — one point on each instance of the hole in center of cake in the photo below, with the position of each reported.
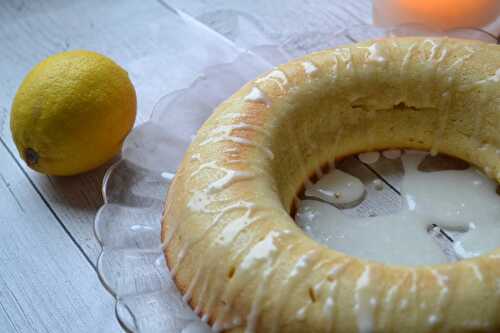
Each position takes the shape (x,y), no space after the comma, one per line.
(402,208)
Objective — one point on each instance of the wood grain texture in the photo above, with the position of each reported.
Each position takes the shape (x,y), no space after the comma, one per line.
(46,283)
(140,37)
(47,248)
(279,19)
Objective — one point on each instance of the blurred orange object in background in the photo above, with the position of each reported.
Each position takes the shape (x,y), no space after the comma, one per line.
(437,14)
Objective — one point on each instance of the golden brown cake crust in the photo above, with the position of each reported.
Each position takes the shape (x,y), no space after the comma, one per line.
(236,253)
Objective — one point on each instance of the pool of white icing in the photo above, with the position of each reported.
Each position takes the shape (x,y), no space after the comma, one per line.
(461,204)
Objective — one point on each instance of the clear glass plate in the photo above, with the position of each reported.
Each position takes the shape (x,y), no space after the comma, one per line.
(131,265)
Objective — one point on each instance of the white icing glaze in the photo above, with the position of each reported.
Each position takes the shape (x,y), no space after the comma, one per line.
(318,286)
(407,57)
(335,68)
(436,46)
(276,76)
(363,306)
(189,292)
(227,130)
(231,150)
(441,280)
(369,238)
(204,289)
(233,229)
(300,265)
(255,255)
(262,289)
(471,206)
(444,104)
(265,255)
(392,154)
(378,184)
(494,78)
(299,270)
(375,53)
(369,157)
(257,96)
(200,201)
(459,62)
(391,293)
(301,313)
(255,310)
(338,188)
(345,55)
(261,251)
(433,320)
(463,253)
(473,199)
(477,271)
(337,269)
(224,134)
(229,177)
(329,305)
(403,69)
(195,157)
(168,175)
(309,67)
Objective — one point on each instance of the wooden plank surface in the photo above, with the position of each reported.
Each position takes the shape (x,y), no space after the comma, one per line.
(46,283)
(47,248)
(279,18)
(138,36)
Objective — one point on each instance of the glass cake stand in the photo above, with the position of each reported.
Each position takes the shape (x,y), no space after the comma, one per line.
(131,264)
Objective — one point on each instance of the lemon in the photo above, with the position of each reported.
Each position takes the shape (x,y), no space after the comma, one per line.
(72,113)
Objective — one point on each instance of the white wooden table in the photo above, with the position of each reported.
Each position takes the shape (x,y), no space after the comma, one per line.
(48,251)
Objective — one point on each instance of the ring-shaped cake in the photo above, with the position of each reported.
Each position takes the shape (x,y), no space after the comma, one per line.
(230,240)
